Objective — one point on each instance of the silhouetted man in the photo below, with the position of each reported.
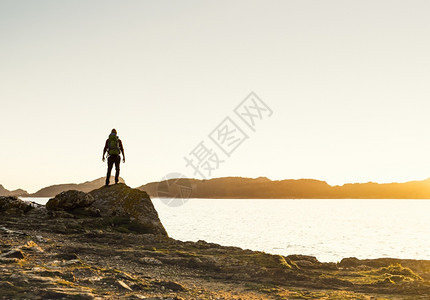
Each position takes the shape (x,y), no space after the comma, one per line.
(114,148)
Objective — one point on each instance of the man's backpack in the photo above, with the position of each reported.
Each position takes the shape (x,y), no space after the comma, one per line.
(113,144)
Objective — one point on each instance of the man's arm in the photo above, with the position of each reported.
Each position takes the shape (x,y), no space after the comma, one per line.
(122,150)
(105,149)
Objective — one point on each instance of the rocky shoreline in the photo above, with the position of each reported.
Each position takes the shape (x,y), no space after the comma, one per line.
(110,244)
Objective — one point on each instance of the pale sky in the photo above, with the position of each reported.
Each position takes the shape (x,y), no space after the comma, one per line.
(348,83)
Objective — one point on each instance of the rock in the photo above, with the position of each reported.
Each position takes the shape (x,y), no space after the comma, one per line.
(32,246)
(124,285)
(74,202)
(305,261)
(305,264)
(71,262)
(118,206)
(121,201)
(15,253)
(6,284)
(13,232)
(40,239)
(349,262)
(61,214)
(5,260)
(297,257)
(63,293)
(170,285)
(150,261)
(335,282)
(67,256)
(14,206)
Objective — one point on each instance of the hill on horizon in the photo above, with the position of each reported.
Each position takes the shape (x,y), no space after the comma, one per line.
(256,188)
(17,193)
(86,187)
(264,188)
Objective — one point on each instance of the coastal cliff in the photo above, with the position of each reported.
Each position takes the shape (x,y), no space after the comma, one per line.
(110,243)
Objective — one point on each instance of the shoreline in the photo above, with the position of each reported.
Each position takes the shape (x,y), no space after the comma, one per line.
(278,247)
(51,261)
(50,254)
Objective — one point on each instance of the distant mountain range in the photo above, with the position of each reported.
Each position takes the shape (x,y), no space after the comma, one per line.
(18,192)
(253,188)
(262,188)
(53,190)
(86,187)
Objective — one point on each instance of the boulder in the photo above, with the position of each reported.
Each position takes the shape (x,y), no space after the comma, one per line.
(305,261)
(14,253)
(75,202)
(119,200)
(118,205)
(349,262)
(14,206)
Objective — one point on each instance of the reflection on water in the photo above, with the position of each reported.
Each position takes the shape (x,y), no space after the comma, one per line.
(329,229)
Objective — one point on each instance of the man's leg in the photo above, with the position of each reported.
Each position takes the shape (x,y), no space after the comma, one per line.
(117,162)
(109,170)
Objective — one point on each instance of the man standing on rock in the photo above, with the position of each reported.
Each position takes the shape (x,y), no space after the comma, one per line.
(114,148)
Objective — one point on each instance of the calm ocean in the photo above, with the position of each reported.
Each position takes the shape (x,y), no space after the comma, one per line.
(329,229)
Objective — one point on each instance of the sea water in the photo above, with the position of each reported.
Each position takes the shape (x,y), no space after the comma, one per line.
(329,229)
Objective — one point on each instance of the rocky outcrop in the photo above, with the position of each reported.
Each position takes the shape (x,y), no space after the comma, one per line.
(422,266)
(14,206)
(74,202)
(118,205)
(121,201)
